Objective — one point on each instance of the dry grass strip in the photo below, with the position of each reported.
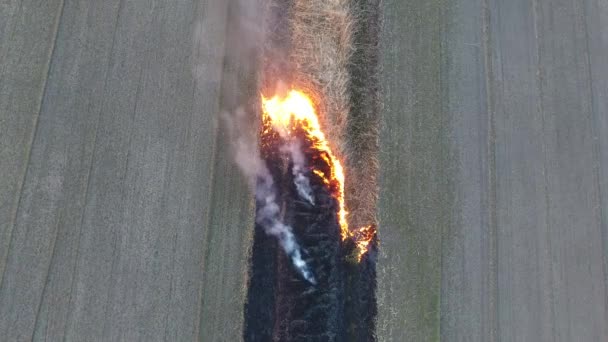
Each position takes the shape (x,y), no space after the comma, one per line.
(323,43)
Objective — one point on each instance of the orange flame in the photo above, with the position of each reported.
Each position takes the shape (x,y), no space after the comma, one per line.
(296,111)
(363,236)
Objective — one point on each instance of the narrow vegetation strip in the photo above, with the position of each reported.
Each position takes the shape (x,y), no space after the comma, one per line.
(328,49)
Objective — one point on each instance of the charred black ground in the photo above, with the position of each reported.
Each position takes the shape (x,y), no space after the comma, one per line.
(282,306)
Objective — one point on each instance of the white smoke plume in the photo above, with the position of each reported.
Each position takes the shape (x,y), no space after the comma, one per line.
(239,45)
(268,217)
(300,180)
(247,156)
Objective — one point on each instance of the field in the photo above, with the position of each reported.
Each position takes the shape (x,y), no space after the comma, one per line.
(123,217)
(494,171)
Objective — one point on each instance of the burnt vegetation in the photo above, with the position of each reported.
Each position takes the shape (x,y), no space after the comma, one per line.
(283,306)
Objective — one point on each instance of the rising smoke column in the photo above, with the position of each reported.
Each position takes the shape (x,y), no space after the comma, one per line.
(294,150)
(254,168)
(267,216)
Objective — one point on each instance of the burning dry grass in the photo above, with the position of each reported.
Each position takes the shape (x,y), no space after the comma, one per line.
(324,50)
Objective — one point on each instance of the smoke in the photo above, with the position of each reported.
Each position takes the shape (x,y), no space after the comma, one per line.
(268,217)
(247,157)
(245,25)
(301,182)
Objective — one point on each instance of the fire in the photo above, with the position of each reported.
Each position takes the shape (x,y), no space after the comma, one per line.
(363,237)
(296,112)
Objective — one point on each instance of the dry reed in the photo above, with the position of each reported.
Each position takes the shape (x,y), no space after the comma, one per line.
(327,37)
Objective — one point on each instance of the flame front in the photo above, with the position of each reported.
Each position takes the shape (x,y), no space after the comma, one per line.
(295,112)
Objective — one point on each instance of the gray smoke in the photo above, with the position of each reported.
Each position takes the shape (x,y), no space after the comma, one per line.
(300,180)
(268,217)
(247,156)
(238,44)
